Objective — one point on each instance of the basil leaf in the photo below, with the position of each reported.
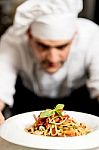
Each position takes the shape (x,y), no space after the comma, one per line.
(46,113)
(50,112)
(59,106)
(59,112)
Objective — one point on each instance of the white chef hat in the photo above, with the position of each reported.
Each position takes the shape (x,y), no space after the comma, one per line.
(48,19)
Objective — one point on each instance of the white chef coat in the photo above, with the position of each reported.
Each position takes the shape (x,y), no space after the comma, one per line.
(81,67)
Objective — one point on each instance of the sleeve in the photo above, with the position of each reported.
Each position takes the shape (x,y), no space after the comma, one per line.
(9,61)
(93,66)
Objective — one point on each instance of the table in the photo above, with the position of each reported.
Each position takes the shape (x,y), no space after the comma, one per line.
(5,145)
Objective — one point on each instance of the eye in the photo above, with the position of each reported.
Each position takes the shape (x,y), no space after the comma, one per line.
(42,46)
(61,47)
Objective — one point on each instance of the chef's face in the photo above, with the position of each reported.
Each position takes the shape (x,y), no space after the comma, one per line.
(50,54)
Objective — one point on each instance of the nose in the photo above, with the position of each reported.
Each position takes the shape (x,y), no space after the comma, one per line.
(53,55)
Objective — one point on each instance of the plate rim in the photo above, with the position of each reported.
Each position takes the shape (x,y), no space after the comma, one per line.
(14,141)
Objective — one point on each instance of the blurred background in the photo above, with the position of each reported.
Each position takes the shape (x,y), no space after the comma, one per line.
(8,8)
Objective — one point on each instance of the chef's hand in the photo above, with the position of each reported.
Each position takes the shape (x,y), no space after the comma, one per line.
(2,106)
(1,118)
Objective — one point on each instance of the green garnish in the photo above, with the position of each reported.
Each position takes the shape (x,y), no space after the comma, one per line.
(49,112)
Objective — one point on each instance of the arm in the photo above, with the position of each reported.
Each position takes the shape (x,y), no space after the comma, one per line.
(93,68)
(1,118)
(9,62)
(2,106)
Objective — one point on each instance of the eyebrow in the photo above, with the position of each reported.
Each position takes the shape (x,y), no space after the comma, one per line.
(42,44)
(48,46)
(64,45)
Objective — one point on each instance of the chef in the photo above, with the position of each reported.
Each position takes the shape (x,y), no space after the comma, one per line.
(53,51)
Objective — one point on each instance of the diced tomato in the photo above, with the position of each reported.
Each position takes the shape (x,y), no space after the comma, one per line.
(57,119)
(66,116)
(53,131)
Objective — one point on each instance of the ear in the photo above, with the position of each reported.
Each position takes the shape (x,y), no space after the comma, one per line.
(29,34)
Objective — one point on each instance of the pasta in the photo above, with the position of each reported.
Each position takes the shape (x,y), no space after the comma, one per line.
(57,123)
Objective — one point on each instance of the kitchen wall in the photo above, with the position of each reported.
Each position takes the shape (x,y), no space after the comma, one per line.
(89,9)
(7,11)
(8,7)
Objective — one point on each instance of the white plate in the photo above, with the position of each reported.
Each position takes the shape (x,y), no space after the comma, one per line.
(13,131)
